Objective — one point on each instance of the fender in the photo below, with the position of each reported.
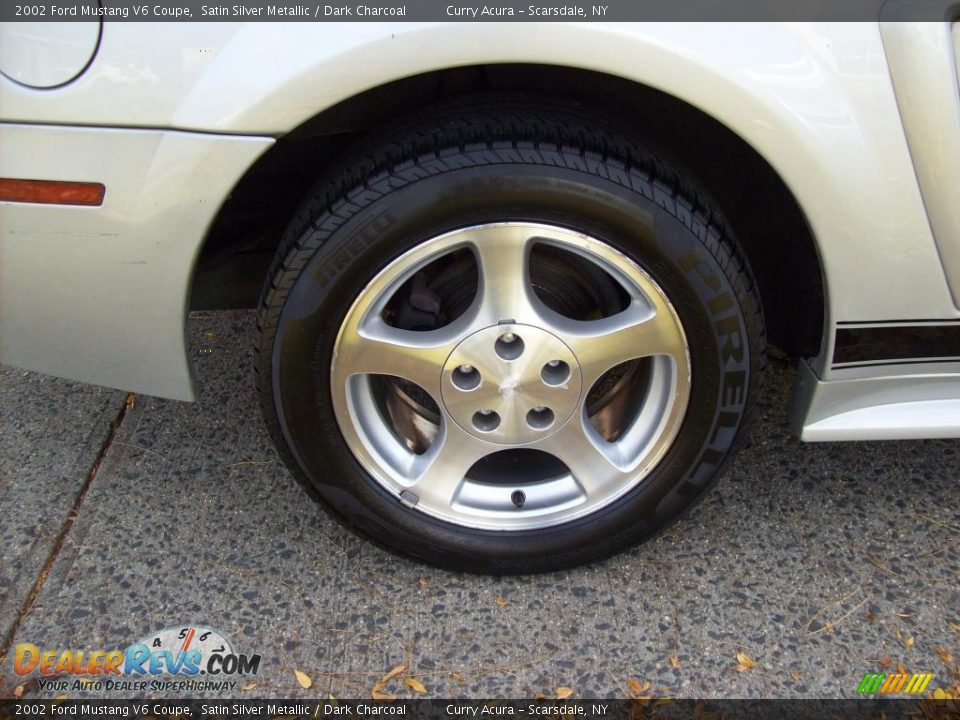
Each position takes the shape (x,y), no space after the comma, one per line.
(815,100)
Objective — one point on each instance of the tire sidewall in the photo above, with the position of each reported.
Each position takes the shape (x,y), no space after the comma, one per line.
(650,224)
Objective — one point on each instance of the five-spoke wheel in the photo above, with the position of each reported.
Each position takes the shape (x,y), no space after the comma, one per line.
(510,373)
(509,338)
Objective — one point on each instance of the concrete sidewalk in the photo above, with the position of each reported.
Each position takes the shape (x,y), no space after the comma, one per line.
(820,562)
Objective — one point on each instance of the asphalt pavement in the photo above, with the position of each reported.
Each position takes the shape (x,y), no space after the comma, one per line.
(122,515)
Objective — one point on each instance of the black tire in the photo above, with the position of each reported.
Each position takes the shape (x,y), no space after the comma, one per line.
(483,162)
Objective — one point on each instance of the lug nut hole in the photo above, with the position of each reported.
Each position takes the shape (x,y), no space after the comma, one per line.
(509,346)
(487,421)
(466,377)
(555,372)
(540,418)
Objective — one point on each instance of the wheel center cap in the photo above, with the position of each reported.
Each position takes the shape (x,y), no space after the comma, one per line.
(511,384)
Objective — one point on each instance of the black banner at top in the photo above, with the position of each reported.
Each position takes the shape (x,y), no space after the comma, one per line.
(472,11)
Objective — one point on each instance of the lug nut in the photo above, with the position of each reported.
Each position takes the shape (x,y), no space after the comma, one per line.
(486,421)
(555,373)
(509,346)
(465,377)
(540,418)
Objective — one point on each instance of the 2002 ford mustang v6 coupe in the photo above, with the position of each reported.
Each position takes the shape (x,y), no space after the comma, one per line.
(515,288)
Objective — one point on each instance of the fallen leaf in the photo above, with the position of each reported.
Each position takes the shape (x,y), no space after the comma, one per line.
(954,625)
(673,661)
(908,642)
(398,670)
(62,696)
(828,627)
(940,694)
(945,656)
(424,582)
(415,685)
(871,617)
(378,688)
(901,668)
(130,401)
(248,685)
(796,675)
(18,691)
(885,662)
(303,680)
(539,696)
(501,601)
(637,687)
(563,693)
(745,662)
(459,677)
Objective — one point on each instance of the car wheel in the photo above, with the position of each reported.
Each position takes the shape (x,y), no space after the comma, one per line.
(508,337)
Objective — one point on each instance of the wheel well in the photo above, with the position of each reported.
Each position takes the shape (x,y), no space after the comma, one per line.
(779,245)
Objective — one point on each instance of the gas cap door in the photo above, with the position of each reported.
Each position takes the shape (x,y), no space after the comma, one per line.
(47,54)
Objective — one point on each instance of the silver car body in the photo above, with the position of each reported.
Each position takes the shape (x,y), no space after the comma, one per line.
(860,120)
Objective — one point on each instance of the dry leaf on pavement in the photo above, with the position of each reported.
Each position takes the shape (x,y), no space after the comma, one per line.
(638,690)
(945,656)
(501,601)
(303,680)
(563,693)
(673,661)
(378,687)
(415,685)
(745,662)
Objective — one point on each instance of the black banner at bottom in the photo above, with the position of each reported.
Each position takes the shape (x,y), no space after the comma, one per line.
(573,709)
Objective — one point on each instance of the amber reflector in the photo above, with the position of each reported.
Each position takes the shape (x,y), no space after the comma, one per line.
(51,192)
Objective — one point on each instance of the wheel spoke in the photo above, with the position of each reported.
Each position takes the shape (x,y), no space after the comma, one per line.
(592,465)
(510,376)
(503,260)
(439,473)
(377,348)
(639,331)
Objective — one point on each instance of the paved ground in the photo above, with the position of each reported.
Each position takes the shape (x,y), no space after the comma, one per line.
(820,562)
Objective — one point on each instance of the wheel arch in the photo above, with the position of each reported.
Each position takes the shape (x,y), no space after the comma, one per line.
(232,263)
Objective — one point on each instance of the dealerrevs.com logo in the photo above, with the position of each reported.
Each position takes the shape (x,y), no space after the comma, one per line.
(187,651)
